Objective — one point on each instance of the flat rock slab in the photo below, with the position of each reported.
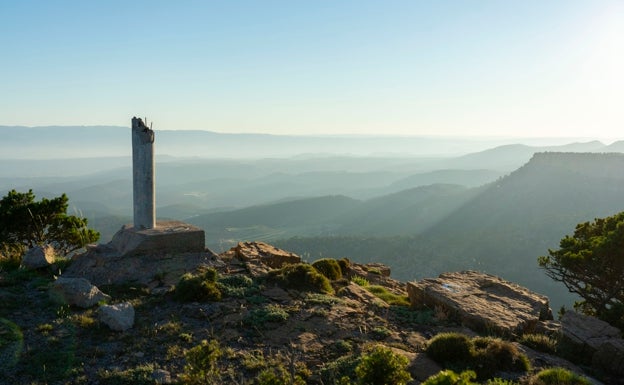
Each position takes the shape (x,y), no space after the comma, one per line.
(482,302)
(166,237)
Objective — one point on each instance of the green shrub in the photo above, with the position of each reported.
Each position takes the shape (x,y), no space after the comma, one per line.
(539,342)
(201,366)
(451,348)
(383,366)
(330,268)
(278,375)
(302,277)
(558,376)
(208,273)
(449,377)
(237,286)
(11,256)
(341,370)
(261,317)
(493,355)
(485,355)
(198,287)
(390,298)
(360,281)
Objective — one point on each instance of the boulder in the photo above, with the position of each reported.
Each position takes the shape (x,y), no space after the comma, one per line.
(585,332)
(38,257)
(118,317)
(375,267)
(591,341)
(482,302)
(269,255)
(609,357)
(76,291)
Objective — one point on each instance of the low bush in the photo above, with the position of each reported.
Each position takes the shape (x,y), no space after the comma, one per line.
(449,377)
(360,281)
(382,366)
(260,318)
(539,342)
(202,363)
(278,375)
(200,287)
(344,264)
(330,268)
(493,355)
(341,370)
(558,376)
(451,348)
(484,355)
(302,277)
(237,286)
(390,298)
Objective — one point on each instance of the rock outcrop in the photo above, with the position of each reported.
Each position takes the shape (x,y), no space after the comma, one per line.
(38,257)
(594,342)
(260,257)
(103,265)
(77,292)
(482,302)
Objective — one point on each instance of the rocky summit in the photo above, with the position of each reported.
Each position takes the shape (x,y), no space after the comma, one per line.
(257,314)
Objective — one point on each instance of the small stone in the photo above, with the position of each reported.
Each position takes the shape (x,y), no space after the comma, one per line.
(118,317)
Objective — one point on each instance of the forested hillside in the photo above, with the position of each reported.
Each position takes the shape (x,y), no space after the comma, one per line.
(504,227)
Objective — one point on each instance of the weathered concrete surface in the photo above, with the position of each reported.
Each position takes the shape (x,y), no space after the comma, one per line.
(165,237)
(143,181)
(482,302)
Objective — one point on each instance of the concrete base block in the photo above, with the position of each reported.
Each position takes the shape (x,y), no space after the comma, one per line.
(167,237)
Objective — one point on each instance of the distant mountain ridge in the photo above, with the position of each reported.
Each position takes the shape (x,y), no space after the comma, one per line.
(97,141)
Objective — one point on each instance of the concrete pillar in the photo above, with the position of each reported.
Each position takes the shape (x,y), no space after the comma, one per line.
(143,185)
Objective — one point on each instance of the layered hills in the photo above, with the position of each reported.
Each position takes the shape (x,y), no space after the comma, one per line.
(458,204)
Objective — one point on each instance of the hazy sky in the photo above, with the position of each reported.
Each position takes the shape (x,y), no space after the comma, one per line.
(475,67)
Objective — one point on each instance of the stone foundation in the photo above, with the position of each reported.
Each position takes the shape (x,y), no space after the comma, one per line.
(167,237)
(148,256)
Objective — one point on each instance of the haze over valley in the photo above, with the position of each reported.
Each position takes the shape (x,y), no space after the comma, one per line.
(492,209)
